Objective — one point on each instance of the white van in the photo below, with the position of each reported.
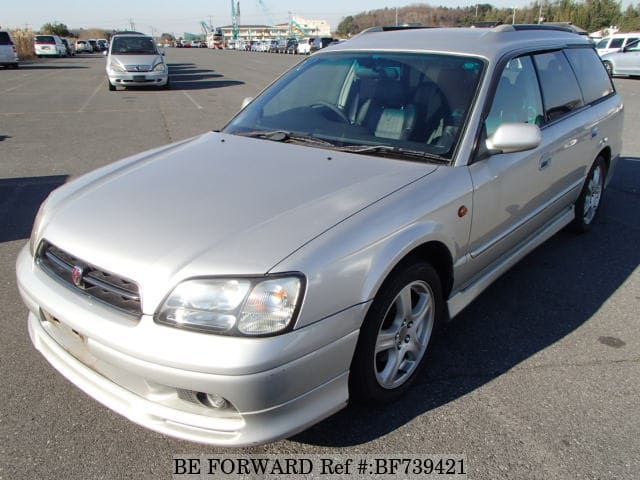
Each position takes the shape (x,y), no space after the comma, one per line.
(49,45)
(304,46)
(615,43)
(8,53)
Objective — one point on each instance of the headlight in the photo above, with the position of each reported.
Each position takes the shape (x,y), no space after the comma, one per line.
(247,307)
(159,67)
(116,68)
(35,230)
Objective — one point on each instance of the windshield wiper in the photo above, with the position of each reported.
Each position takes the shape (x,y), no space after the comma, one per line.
(399,151)
(284,136)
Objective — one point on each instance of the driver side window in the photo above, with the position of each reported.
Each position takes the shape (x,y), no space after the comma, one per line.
(517,98)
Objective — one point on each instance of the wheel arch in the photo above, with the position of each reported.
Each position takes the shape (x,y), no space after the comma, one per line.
(434,252)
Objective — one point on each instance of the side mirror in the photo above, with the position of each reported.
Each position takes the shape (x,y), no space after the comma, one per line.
(246,102)
(514,137)
(105,53)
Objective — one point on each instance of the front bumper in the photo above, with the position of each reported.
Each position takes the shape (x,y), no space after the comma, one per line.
(266,401)
(138,79)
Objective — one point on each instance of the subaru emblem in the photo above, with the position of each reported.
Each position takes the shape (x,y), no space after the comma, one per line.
(76,275)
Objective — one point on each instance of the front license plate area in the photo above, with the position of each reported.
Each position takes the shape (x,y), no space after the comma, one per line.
(139,78)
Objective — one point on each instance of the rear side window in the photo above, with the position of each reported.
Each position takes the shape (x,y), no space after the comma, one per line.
(592,77)
(5,39)
(560,90)
(616,43)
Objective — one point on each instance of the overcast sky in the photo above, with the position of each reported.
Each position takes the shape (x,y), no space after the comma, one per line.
(178,16)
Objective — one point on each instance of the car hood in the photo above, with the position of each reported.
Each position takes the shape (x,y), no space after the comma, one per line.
(217,204)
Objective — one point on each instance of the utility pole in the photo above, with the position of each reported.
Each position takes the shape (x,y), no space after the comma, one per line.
(396,16)
(513,19)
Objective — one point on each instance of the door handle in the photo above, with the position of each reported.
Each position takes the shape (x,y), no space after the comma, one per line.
(544,161)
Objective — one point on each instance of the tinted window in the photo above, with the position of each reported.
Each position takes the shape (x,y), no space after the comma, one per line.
(616,43)
(592,77)
(560,89)
(517,97)
(630,40)
(602,43)
(46,39)
(5,39)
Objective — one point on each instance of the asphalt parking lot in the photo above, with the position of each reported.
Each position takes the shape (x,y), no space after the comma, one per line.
(538,378)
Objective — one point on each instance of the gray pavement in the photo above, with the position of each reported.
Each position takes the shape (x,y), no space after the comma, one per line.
(538,378)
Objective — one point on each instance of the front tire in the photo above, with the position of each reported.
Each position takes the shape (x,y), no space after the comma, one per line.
(588,204)
(112,88)
(396,334)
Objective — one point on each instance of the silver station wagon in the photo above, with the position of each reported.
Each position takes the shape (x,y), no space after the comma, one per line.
(237,287)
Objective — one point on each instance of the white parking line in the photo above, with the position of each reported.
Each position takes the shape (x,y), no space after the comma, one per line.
(198,106)
(95,92)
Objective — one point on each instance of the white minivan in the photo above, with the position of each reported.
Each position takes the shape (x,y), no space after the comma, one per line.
(133,60)
(49,45)
(8,52)
(615,43)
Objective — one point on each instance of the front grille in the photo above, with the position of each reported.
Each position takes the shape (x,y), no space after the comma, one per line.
(138,68)
(115,291)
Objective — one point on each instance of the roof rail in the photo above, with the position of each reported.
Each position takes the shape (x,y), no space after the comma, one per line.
(391,28)
(538,26)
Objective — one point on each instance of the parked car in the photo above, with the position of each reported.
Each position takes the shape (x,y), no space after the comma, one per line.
(615,43)
(304,46)
(94,45)
(69,46)
(292,46)
(134,60)
(49,45)
(8,51)
(625,62)
(83,46)
(103,44)
(195,44)
(392,179)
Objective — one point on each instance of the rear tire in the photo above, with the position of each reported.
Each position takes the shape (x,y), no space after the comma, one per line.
(588,204)
(396,334)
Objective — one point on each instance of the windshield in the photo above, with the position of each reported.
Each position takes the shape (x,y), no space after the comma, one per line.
(133,46)
(387,100)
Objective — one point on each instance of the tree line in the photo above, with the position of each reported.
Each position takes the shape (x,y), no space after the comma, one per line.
(591,15)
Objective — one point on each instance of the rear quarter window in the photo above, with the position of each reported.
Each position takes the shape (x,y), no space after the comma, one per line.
(590,72)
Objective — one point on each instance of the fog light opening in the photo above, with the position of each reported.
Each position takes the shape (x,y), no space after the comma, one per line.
(211,400)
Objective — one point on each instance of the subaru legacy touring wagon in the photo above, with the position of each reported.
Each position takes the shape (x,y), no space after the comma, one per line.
(237,287)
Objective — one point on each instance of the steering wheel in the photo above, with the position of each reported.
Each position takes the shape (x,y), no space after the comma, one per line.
(339,113)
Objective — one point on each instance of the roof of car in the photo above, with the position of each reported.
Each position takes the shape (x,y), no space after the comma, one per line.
(489,43)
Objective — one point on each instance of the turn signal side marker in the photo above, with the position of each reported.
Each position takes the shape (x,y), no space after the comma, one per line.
(462,211)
